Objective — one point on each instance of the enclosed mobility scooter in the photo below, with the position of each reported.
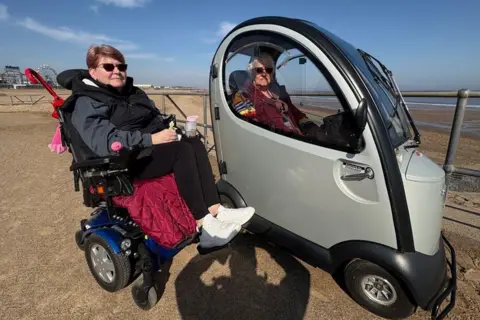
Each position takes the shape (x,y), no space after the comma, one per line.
(360,202)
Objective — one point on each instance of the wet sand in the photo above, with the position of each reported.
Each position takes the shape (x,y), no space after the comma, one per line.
(434,125)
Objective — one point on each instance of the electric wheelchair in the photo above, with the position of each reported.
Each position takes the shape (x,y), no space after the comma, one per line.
(116,249)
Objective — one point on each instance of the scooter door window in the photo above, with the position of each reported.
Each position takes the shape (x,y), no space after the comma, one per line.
(281,90)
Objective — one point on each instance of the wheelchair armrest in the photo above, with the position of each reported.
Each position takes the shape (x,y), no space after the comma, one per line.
(120,161)
(91,163)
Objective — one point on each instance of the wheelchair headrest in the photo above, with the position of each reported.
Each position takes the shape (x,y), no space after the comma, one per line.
(237,79)
(66,77)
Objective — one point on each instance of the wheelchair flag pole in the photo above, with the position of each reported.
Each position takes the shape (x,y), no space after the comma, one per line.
(36,78)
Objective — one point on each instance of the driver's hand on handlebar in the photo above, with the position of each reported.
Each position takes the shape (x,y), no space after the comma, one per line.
(164,136)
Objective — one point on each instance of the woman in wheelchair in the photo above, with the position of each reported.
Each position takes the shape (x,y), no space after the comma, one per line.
(109,110)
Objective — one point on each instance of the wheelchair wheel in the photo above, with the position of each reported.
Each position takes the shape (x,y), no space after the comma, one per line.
(110,270)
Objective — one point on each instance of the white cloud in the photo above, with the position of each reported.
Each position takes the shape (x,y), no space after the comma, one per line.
(78,37)
(4,12)
(125,3)
(83,38)
(94,8)
(224,28)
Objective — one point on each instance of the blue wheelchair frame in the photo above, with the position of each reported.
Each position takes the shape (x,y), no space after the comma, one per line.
(110,229)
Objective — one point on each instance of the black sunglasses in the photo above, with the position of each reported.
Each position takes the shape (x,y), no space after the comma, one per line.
(110,66)
(267,70)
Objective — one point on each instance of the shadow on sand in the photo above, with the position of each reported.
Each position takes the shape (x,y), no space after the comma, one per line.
(243,294)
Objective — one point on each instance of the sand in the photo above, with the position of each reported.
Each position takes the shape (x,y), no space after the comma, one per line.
(45,276)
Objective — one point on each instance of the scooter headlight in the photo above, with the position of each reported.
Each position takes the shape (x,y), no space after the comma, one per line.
(444,192)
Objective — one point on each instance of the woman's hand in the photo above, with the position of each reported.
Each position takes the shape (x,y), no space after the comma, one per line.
(164,136)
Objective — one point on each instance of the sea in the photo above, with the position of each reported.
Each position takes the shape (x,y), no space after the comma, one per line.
(421,102)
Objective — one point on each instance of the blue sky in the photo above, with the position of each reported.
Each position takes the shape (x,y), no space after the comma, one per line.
(428,46)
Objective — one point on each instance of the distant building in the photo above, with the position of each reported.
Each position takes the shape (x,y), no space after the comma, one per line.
(144,86)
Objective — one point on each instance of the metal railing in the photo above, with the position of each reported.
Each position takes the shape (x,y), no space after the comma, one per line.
(448,166)
(204,124)
(21,99)
(462,96)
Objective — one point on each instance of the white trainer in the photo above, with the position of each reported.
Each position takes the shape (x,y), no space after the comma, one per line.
(216,233)
(236,215)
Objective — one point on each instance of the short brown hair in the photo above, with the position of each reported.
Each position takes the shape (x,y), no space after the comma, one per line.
(95,52)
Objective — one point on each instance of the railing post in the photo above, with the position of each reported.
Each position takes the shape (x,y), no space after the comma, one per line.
(204,100)
(162,104)
(448,167)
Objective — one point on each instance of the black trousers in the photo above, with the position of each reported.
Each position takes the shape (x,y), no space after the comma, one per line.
(188,160)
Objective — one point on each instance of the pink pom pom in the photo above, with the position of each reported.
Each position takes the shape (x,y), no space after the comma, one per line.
(116,146)
(56,145)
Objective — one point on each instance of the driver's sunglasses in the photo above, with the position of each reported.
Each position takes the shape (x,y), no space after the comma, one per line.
(261,70)
(110,66)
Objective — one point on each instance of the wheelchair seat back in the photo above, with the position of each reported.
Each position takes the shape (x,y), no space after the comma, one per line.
(101,177)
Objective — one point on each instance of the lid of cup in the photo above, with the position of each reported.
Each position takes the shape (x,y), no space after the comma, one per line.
(192,118)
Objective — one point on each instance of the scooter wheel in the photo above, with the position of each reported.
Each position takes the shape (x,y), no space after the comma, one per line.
(144,301)
(378,291)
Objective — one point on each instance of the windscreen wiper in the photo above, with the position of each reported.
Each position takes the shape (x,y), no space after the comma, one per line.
(391,85)
(385,83)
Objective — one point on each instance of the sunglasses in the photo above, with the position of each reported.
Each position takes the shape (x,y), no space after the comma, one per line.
(110,67)
(261,70)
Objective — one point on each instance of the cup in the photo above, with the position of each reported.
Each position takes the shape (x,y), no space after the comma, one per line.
(191,126)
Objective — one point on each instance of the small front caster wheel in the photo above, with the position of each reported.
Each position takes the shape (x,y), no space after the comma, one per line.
(145,298)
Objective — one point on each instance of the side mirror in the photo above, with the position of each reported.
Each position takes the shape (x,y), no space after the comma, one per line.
(361,115)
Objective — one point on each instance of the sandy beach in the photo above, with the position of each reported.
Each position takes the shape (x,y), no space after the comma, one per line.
(45,276)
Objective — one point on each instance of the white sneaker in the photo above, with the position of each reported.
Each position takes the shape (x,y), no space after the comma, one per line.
(216,233)
(236,215)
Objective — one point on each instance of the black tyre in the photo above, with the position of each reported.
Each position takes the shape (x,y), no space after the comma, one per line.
(226,201)
(111,271)
(378,291)
(78,240)
(145,301)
